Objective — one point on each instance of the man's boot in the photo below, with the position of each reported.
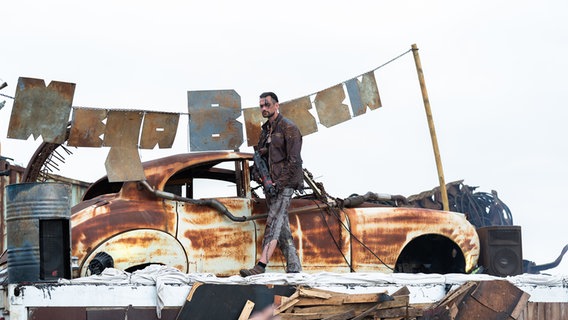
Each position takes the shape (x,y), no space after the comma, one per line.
(251,272)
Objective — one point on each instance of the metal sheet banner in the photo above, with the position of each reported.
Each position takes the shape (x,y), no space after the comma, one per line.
(298,111)
(363,93)
(330,107)
(123,128)
(253,122)
(159,128)
(40,110)
(213,121)
(87,127)
(123,164)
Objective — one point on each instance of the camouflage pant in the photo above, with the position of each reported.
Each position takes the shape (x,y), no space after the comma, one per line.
(278,228)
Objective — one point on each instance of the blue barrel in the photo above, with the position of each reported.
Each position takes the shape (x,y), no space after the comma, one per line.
(28,204)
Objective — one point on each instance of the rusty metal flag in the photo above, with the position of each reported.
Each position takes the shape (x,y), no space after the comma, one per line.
(123,164)
(330,107)
(160,129)
(363,94)
(87,127)
(213,121)
(122,128)
(121,134)
(40,110)
(297,111)
(253,122)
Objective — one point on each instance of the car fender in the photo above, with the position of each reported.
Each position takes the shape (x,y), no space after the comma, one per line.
(138,247)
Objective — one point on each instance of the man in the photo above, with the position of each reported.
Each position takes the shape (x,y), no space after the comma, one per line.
(280,143)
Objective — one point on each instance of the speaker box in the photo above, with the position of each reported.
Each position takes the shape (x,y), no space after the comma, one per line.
(501,250)
(54,249)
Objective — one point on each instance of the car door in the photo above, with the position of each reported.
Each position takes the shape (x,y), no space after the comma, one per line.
(214,242)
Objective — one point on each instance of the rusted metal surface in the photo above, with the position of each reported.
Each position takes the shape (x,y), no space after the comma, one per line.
(91,119)
(40,110)
(122,128)
(331,110)
(497,299)
(386,231)
(159,128)
(45,161)
(15,175)
(213,124)
(370,237)
(123,164)
(121,134)
(298,111)
(27,205)
(363,94)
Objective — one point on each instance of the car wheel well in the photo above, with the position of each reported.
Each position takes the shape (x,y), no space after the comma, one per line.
(431,253)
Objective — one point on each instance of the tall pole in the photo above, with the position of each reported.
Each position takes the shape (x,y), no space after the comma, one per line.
(443,190)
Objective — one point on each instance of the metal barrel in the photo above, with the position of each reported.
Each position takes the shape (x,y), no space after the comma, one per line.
(27,205)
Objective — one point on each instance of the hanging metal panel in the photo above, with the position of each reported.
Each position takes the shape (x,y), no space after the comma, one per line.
(297,111)
(212,121)
(159,128)
(87,127)
(40,110)
(330,107)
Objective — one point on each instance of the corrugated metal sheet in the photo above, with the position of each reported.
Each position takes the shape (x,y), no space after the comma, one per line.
(545,311)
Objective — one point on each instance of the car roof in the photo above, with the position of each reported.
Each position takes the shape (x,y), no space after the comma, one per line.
(159,170)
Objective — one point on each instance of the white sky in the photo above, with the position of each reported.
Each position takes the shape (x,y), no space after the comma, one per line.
(495,73)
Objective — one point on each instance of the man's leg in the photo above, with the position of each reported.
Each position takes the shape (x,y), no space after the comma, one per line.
(277,217)
(288,249)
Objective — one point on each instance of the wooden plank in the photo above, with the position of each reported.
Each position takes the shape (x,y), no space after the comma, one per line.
(245,313)
(401,292)
(521,304)
(302,316)
(341,316)
(393,313)
(358,307)
(315,293)
(288,304)
(399,301)
(365,313)
(341,298)
(366,297)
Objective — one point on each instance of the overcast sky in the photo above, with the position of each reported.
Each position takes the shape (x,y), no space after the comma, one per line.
(495,73)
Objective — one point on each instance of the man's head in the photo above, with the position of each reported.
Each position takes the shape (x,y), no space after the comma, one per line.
(269,105)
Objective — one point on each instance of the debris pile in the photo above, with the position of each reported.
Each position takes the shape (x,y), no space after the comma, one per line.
(307,303)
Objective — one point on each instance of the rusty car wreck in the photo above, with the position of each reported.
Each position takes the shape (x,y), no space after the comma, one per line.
(201,212)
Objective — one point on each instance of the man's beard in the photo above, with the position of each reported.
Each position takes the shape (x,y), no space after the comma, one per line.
(267,114)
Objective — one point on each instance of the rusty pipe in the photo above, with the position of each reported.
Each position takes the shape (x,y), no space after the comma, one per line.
(213,203)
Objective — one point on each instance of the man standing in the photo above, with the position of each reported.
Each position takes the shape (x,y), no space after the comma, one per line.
(280,143)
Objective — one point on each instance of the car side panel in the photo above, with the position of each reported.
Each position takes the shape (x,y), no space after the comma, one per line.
(110,216)
(213,242)
(319,235)
(385,232)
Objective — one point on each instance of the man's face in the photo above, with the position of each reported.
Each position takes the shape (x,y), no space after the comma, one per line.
(268,107)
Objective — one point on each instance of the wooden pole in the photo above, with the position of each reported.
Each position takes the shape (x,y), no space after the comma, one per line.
(443,190)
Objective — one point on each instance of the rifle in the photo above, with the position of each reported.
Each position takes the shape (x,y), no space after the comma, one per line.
(264,173)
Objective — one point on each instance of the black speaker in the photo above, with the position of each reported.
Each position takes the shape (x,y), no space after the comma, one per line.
(54,249)
(501,251)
